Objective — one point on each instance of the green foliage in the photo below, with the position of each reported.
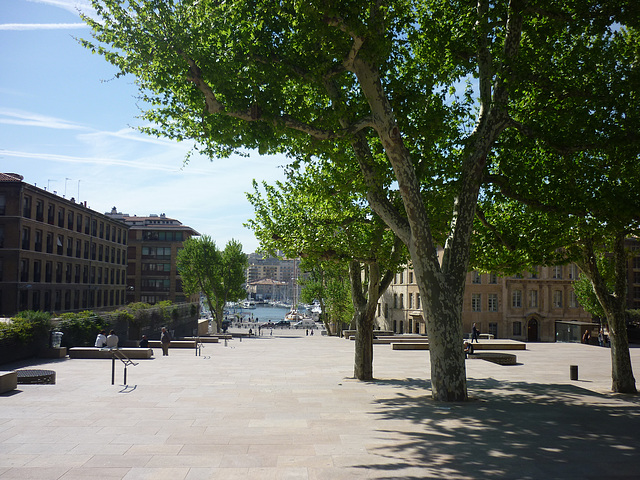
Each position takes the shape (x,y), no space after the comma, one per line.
(26,326)
(217,274)
(81,328)
(587,297)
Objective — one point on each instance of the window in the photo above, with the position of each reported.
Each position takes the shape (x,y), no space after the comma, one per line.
(78,248)
(37,271)
(49,242)
(636,263)
(573,300)
(1,236)
(411,300)
(411,276)
(38,241)
(517,329)
(61,217)
(70,221)
(557,272)
(557,298)
(418,300)
(79,223)
(533,298)
(69,247)
(59,272)
(533,273)
(3,205)
(401,299)
(26,238)
(26,207)
(395,300)
(60,245)
(493,302)
(51,213)
(493,278)
(476,300)
(476,277)
(573,271)
(516,299)
(39,210)
(401,277)
(48,272)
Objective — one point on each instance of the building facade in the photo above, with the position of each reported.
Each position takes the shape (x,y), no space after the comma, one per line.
(280,274)
(153,246)
(531,307)
(55,254)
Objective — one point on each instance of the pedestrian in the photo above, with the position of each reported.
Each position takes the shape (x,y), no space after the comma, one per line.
(468,349)
(165,340)
(112,340)
(101,339)
(586,337)
(144,342)
(474,333)
(601,337)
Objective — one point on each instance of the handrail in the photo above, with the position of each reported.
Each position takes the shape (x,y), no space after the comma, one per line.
(115,353)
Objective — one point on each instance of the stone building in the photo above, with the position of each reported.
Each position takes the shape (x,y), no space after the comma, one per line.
(56,254)
(153,246)
(536,306)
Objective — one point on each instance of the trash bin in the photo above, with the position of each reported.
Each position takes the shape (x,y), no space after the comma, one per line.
(56,339)
(573,371)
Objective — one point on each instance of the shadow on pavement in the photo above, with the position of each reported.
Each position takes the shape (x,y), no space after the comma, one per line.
(512,430)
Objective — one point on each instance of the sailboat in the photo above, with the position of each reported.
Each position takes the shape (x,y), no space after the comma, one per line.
(294,315)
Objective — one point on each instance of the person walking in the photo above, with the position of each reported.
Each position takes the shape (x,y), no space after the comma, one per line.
(165,340)
(475,334)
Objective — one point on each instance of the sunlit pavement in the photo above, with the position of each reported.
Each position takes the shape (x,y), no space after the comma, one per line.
(285,406)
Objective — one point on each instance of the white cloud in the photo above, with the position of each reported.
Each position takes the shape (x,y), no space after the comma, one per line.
(42,26)
(29,119)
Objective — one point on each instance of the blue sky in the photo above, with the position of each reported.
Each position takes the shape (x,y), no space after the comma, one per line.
(67,125)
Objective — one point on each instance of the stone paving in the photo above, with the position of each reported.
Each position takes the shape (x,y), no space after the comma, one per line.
(286,407)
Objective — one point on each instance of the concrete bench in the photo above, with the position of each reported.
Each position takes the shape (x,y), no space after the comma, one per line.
(8,381)
(174,344)
(410,346)
(204,339)
(495,357)
(500,345)
(95,352)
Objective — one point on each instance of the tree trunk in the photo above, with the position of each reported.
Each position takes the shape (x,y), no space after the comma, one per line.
(614,306)
(444,328)
(622,380)
(363,361)
(364,304)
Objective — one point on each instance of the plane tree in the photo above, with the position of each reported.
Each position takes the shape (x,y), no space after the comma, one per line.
(377,78)
(217,274)
(316,215)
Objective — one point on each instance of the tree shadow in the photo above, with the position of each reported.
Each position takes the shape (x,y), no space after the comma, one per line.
(510,430)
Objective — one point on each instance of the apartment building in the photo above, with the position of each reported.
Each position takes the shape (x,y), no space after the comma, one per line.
(56,254)
(153,245)
(537,306)
(271,278)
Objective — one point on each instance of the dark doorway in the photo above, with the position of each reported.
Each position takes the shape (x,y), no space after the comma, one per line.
(532,330)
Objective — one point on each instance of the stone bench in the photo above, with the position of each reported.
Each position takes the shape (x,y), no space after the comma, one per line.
(204,339)
(8,381)
(95,352)
(174,344)
(495,357)
(410,346)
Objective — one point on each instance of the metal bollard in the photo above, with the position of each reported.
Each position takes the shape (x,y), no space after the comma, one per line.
(573,372)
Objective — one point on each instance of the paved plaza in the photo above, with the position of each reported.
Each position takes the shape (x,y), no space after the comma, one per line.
(286,407)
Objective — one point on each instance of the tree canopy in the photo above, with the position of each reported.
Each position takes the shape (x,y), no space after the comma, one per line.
(383,79)
(216,274)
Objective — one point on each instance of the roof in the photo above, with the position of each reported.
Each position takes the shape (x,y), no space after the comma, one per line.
(10,177)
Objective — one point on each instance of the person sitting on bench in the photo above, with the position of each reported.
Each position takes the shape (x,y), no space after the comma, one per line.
(468,349)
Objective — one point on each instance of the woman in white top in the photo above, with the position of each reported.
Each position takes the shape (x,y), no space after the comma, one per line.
(101,339)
